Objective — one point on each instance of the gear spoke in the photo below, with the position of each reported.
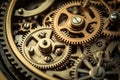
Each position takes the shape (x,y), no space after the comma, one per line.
(57,44)
(88,64)
(63,27)
(86,34)
(83,71)
(49,34)
(92,20)
(36,38)
(99,63)
(110,72)
(65,11)
(86,12)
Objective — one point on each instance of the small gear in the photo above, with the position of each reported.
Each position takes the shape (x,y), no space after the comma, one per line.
(24,25)
(83,24)
(106,62)
(41,49)
(48,19)
(11,62)
(111,26)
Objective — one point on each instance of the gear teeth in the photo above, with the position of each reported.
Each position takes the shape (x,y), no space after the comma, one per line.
(55,66)
(74,68)
(65,40)
(7,51)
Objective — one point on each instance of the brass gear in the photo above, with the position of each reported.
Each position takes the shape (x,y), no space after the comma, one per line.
(84,70)
(25,25)
(47,21)
(65,72)
(106,60)
(41,49)
(111,26)
(77,23)
(13,65)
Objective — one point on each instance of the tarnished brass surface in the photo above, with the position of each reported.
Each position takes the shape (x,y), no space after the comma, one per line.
(61,39)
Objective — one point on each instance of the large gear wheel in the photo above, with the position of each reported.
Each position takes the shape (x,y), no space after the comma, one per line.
(83,24)
(106,60)
(76,53)
(42,50)
(85,71)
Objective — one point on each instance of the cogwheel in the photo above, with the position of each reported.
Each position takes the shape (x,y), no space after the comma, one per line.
(111,26)
(106,61)
(41,49)
(84,70)
(24,25)
(82,23)
(48,19)
(11,62)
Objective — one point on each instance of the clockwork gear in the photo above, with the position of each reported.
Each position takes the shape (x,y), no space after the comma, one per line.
(111,26)
(60,39)
(82,23)
(84,70)
(42,50)
(48,19)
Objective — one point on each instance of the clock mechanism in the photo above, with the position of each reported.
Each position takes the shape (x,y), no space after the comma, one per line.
(60,39)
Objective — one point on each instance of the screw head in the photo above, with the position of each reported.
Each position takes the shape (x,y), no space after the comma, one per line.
(31,51)
(26,25)
(59,52)
(97,73)
(99,44)
(115,16)
(47,59)
(76,20)
(20,11)
(42,34)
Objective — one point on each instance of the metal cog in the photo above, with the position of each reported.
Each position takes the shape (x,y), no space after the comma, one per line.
(41,49)
(65,72)
(48,19)
(84,70)
(78,22)
(106,58)
(111,26)
(15,66)
(23,26)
